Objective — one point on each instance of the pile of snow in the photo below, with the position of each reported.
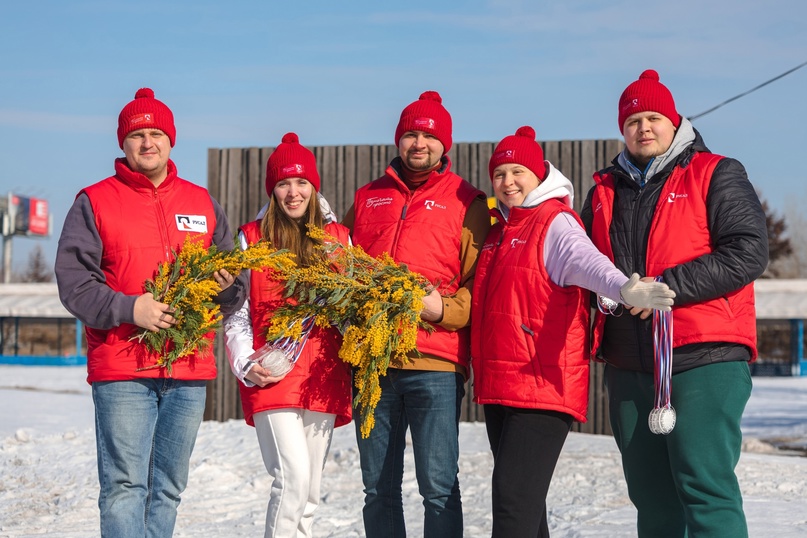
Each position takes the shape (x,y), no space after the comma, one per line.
(49,480)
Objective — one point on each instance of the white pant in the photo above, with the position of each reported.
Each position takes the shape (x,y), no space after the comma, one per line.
(294,444)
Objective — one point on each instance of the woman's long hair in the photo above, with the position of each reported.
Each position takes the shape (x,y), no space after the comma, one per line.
(286,233)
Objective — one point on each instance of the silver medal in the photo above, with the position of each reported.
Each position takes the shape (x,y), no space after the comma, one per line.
(661,420)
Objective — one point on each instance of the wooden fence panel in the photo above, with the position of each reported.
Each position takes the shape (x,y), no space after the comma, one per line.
(236,178)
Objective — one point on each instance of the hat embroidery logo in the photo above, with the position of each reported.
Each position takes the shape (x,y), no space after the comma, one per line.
(633,103)
(191,223)
(424,123)
(294,169)
(506,154)
(140,118)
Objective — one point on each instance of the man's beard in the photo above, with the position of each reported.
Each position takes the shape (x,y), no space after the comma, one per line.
(419,165)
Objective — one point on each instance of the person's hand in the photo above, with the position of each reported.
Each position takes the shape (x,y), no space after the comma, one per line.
(643,313)
(261,376)
(644,295)
(151,314)
(432,307)
(224,278)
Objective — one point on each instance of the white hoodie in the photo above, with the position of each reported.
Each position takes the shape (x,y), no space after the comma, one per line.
(571,259)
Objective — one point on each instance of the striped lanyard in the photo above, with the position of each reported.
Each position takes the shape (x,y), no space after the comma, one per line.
(662,417)
(294,347)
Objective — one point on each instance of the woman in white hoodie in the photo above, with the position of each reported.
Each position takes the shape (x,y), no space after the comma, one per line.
(530,323)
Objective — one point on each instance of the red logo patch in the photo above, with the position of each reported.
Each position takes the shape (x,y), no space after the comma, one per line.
(146,117)
(293,169)
(424,123)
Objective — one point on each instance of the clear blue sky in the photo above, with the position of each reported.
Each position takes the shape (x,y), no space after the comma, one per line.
(243,73)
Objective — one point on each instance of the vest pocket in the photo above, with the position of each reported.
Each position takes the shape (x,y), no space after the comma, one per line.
(531,345)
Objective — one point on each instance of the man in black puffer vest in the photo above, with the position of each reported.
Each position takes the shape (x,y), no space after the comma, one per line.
(669,208)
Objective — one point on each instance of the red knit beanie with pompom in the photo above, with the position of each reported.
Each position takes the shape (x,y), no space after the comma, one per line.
(146,112)
(520,148)
(291,159)
(428,115)
(647,95)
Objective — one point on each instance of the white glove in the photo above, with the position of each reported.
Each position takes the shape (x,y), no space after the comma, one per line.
(655,295)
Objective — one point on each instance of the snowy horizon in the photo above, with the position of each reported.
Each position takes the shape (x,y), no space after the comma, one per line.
(49,481)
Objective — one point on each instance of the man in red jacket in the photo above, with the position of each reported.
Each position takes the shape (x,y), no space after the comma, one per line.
(114,236)
(669,208)
(435,222)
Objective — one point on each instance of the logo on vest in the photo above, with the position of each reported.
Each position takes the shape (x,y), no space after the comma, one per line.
(599,206)
(432,204)
(672,197)
(378,201)
(191,223)
(516,241)
(488,246)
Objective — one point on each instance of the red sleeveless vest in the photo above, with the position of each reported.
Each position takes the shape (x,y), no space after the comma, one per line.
(680,213)
(529,336)
(422,229)
(319,381)
(139,226)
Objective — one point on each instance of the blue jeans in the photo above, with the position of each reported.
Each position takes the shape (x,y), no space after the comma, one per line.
(429,404)
(145,431)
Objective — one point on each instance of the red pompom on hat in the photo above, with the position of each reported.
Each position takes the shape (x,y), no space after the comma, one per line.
(146,112)
(428,115)
(291,159)
(647,94)
(520,148)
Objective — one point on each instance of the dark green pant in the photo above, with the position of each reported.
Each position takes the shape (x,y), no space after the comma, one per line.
(683,484)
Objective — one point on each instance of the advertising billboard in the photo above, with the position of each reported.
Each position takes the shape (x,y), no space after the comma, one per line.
(30,216)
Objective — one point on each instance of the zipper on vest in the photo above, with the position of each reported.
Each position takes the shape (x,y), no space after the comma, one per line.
(394,249)
(639,265)
(635,240)
(162,225)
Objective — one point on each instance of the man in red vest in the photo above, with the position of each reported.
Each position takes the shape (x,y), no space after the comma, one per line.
(429,218)
(114,236)
(669,208)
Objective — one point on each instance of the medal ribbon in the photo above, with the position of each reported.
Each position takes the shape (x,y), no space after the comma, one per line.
(662,355)
(292,347)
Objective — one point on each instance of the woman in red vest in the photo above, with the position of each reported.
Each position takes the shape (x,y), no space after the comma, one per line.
(293,413)
(529,327)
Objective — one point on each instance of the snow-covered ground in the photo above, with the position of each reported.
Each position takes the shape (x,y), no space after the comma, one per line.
(48,483)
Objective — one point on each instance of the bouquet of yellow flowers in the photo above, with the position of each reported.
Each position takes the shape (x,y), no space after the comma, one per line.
(375,303)
(188,286)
